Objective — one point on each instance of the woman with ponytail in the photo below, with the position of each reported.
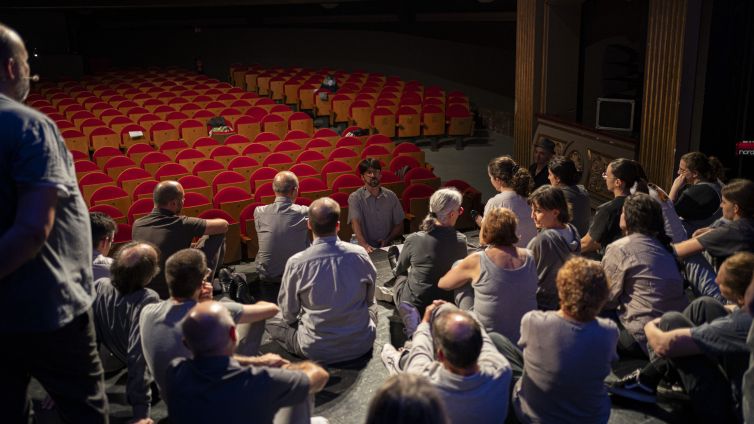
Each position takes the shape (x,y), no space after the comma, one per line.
(428,254)
(514,184)
(642,273)
(696,191)
(620,176)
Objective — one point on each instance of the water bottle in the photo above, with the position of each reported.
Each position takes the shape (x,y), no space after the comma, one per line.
(354,240)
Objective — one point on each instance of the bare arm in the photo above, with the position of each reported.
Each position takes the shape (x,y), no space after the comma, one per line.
(259,311)
(356,226)
(216,226)
(271,360)
(588,245)
(675,189)
(463,273)
(35,217)
(670,344)
(317,375)
(687,248)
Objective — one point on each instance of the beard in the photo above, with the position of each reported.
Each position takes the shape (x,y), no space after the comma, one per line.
(21,90)
(373,182)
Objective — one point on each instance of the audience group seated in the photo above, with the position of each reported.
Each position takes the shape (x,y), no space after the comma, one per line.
(524,327)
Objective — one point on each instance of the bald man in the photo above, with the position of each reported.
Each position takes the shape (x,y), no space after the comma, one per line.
(117,306)
(326,298)
(215,387)
(170,231)
(46,265)
(454,352)
(281,228)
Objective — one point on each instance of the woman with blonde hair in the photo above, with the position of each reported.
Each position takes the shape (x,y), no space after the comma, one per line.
(499,283)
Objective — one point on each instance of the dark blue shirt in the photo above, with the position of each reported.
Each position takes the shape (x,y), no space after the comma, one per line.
(54,287)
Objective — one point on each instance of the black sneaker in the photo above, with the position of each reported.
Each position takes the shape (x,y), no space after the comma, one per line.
(631,387)
(392,256)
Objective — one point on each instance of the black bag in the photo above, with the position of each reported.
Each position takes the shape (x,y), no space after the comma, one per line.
(235,286)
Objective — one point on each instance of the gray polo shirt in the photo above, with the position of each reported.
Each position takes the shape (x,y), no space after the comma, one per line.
(282,232)
(55,286)
(327,290)
(377,215)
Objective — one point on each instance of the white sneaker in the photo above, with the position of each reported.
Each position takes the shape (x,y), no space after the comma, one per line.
(391,358)
(410,317)
(319,420)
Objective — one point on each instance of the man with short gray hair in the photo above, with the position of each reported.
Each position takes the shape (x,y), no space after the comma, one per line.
(327,311)
(281,228)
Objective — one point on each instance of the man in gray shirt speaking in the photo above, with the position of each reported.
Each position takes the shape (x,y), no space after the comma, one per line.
(454,352)
(281,228)
(375,213)
(326,299)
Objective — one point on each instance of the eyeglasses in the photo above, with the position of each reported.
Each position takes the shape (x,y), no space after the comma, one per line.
(682,171)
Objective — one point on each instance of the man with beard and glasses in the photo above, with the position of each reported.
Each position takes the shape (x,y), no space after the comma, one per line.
(375,213)
(46,266)
(170,231)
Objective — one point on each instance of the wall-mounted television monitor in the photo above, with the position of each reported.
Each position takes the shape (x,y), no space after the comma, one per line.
(615,114)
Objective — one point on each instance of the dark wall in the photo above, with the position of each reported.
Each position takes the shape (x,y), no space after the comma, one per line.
(729,93)
(613,39)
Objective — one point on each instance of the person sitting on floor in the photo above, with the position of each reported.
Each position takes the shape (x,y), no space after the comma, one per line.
(705,346)
(555,243)
(186,273)
(117,306)
(407,399)
(733,233)
(567,353)
(455,353)
(428,254)
(544,150)
(281,228)
(170,232)
(642,273)
(499,283)
(564,174)
(374,212)
(103,232)
(620,175)
(215,387)
(327,310)
(696,190)
(514,185)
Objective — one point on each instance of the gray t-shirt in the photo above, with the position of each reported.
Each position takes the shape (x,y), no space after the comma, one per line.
(116,319)
(581,207)
(162,336)
(526,229)
(565,365)
(376,215)
(728,237)
(551,249)
(55,286)
(282,232)
(478,398)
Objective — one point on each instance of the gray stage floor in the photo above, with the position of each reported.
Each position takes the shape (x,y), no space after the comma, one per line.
(346,397)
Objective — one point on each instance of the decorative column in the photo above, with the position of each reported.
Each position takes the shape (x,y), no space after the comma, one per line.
(663,77)
(528,59)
